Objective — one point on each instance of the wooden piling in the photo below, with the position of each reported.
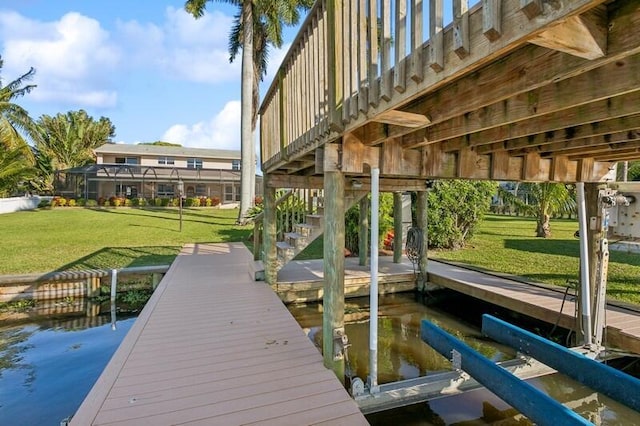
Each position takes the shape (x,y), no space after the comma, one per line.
(333,304)
(270,258)
(397,227)
(421,222)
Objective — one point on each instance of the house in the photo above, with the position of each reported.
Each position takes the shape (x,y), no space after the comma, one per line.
(156,171)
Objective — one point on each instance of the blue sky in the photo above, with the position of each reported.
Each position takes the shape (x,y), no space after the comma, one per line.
(153,70)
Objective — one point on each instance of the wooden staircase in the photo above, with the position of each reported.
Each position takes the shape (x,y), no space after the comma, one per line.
(294,240)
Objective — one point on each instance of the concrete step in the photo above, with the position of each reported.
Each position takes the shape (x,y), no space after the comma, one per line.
(315,220)
(304,229)
(296,240)
(286,251)
(256,270)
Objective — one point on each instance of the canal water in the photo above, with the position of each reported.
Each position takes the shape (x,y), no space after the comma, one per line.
(48,367)
(403,355)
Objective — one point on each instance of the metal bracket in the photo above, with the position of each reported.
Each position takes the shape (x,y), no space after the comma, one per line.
(340,343)
(456,360)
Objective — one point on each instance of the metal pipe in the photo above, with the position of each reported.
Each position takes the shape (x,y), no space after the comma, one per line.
(611,382)
(531,402)
(373,292)
(114,284)
(585,287)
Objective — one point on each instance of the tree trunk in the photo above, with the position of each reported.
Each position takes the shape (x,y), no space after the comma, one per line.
(246,95)
(543,228)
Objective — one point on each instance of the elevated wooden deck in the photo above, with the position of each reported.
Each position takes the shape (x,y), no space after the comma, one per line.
(214,347)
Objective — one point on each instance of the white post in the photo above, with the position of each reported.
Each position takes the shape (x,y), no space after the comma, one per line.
(114,284)
(373,294)
(585,288)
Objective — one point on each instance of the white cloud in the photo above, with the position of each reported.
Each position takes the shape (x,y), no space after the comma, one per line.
(73,58)
(183,47)
(221,132)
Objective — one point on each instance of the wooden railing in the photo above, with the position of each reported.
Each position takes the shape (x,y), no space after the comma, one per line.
(350,56)
(292,207)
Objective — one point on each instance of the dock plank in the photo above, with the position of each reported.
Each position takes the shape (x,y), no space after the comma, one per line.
(214,347)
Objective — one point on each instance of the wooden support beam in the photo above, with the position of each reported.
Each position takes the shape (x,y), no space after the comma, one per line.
(385,73)
(363,232)
(563,170)
(473,166)
(402,118)
(396,161)
(333,299)
(584,36)
(397,227)
(270,255)
(585,98)
(437,163)
(317,182)
(373,54)
(528,137)
(422,204)
(355,155)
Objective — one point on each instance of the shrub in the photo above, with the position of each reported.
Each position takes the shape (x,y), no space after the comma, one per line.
(164,202)
(192,202)
(157,202)
(101,201)
(44,203)
(60,201)
(257,201)
(215,201)
(208,202)
(127,202)
(107,203)
(91,203)
(135,202)
(81,202)
(71,202)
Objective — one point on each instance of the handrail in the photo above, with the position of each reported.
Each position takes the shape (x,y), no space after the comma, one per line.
(305,202)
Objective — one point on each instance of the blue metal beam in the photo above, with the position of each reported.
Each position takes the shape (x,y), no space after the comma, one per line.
(600,377)
(530,401)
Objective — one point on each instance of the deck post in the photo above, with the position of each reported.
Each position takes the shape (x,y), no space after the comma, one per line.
(270,254)
(584,301)
(397,227)
(333,299)
(421,222)
(363,232)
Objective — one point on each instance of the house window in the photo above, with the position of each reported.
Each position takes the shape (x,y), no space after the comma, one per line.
(169,161)
(194,163)
(165,190)
(235,165)
(127,160)
(201,189)
(231,193)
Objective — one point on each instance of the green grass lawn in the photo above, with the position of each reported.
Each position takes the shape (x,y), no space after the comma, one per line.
(76,238)
(507,245)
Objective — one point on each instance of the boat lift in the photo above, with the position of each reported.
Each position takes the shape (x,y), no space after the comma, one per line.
(618,216)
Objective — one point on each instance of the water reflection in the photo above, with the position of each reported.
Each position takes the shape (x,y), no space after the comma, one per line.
(403,355)
(47,369)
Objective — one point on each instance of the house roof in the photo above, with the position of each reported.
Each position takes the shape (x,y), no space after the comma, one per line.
(178,151)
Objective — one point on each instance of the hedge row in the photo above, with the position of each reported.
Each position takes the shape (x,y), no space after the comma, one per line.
(132,202)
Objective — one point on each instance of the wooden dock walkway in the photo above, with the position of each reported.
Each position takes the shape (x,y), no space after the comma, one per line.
(212,347)
(302,279)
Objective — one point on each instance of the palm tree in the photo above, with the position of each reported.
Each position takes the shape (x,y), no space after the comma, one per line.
(257,24)
(16,158)
(542,200)
(68,140)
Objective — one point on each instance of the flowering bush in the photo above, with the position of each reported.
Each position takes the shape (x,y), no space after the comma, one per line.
(71,202)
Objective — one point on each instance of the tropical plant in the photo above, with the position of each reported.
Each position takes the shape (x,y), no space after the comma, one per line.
(267,18)
(69,139)
(455,208)
(542,200)
(16,158)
